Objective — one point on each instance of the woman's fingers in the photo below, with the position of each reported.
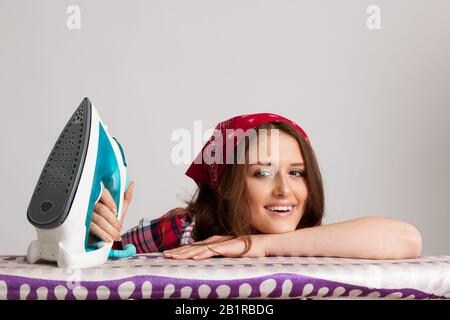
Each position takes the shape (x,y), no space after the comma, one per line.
(227,246)
(105,223)
(193,252)
(108,200)
(101,222)
(210,252)
(99,232)
(110,218)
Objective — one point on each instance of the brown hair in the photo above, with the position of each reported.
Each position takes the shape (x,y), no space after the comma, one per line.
(222,212)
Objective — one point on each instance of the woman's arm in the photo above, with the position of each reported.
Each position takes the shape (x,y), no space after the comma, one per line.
(163,233)
(366,238)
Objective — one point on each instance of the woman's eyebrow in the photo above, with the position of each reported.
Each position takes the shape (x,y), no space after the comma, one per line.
(297,164)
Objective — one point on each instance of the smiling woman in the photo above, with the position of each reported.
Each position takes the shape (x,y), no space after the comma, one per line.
(266,200)
(279,170)
(276,188)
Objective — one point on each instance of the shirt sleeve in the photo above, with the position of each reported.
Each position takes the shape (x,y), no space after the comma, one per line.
(163,233)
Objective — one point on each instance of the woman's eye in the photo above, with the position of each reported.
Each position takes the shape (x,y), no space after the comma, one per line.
(262,173)
(266,173)
(298,173)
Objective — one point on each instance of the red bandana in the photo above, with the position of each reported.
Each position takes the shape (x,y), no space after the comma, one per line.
(202,172)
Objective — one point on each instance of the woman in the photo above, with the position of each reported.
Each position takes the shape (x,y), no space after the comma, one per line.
(260,193)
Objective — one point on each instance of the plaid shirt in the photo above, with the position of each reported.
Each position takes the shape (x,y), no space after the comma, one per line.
(171,230)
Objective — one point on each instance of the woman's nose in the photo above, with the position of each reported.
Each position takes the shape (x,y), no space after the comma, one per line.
(281,187)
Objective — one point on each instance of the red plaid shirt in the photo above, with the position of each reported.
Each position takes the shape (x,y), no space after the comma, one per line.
(171,230)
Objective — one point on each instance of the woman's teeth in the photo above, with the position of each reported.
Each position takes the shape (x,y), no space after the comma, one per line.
(279,208)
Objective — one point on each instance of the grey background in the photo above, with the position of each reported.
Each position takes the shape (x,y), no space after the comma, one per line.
(375,103)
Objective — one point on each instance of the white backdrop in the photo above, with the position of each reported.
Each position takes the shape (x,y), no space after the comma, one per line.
(375,102)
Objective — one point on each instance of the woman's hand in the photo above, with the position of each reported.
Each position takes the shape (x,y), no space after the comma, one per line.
(105,224)
(228,248)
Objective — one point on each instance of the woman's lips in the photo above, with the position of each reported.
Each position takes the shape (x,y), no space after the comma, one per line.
(281,213)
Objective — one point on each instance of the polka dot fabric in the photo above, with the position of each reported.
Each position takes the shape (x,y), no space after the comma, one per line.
(151,276)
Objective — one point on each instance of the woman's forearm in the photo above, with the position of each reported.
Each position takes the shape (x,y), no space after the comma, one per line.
(367,238)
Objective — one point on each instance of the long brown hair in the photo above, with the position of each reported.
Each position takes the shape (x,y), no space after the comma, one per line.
(221,212)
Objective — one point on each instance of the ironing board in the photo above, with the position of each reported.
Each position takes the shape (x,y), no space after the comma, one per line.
(151,276)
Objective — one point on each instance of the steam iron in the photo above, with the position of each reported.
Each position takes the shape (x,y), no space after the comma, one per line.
(84,160)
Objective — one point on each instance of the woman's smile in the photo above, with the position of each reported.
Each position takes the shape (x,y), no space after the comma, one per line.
(281,210)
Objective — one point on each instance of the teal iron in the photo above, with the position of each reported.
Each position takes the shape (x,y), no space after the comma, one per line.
(84,160)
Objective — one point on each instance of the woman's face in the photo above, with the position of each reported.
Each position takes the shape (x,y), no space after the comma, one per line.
(276,193)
